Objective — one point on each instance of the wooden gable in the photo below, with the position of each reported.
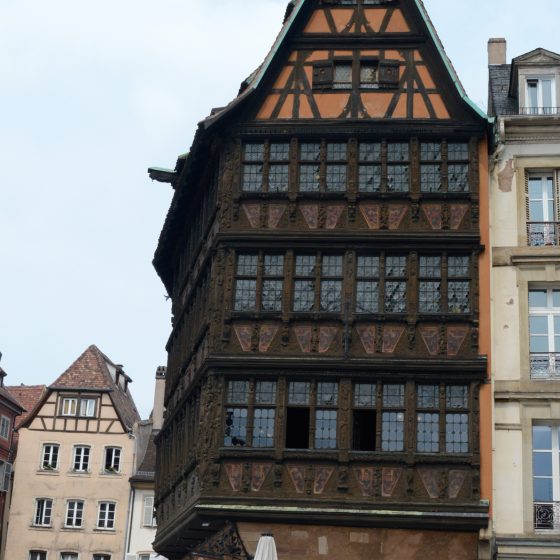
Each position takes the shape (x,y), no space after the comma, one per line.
(362,61)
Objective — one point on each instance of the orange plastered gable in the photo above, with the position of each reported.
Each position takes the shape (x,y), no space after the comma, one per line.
(268,106)
(398,23)
(376,104)
(317,23)
(375,18)
(331,106)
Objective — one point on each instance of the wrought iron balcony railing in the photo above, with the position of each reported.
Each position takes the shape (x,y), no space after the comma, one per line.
(545,365)
(539,110)
(546,516)
(542,234)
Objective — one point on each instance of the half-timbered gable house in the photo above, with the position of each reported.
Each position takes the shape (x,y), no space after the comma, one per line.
(324,252)
(75,456)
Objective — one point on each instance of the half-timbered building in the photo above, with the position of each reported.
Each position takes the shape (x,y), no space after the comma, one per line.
(75,455)
(325,256)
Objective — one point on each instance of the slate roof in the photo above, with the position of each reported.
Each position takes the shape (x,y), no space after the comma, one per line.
(146,471)
(28,396)
(499,100)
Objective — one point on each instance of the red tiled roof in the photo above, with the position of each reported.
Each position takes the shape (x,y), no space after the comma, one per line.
(28,396)
(91,372)
(5,394)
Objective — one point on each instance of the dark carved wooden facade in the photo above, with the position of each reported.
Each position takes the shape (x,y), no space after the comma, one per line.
(323,254)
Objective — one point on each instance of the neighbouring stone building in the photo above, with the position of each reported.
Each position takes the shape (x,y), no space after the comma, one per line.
(326,252)
(524,97)
(75,457)
(141,519)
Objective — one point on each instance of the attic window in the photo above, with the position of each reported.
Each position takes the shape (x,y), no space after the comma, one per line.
(363,74)
(82,407)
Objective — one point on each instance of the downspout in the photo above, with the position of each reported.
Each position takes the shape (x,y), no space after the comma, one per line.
(130,512)
(130,520)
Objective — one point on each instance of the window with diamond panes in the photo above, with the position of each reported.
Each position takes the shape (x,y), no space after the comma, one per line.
(395,284)
(456,419)
(430,167)
(458,167)
(364,417)
(342,75)
(326,416)
(336,168)
(428,419)
(310,166)
(398,167)
(392,427)
(367,284)
(259,282)
(266,167)
(369,167)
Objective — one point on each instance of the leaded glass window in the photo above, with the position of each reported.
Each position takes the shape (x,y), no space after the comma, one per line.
(458,167)
(266,167)
(331,283)
(456,419)
(369,168)
(398,171)
(259,282)
(367,284)
(458,284)
(395,284)
(304,284)
(429,300)
(342,75)
(428,418)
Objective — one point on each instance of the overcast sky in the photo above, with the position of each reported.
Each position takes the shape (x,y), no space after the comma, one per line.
(92,93)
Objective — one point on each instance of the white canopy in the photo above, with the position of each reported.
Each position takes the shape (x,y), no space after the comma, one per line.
(266,549)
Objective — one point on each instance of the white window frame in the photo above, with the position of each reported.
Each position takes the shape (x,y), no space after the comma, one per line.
(79,450)
(43,515)
(144,556)
(112,469)
(103,510)
(540,109)
(75,513)
(552,357)
(35,554)
(47,457)
(69,555)
(89,404)
(148,513)
(101,556)
(555,457)
(5,427)
(69,406)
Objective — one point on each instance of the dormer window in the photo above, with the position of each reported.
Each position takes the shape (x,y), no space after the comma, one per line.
(84,407)
(541,96)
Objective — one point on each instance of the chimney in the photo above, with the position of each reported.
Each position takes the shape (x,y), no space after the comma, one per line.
(497,51)
(159,395)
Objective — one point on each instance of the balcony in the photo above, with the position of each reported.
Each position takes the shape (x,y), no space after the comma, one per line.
(531,112)
(545,366)
(543,234)
(546,516)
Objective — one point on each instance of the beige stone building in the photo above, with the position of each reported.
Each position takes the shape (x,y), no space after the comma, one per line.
(75,457)
(525,99)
